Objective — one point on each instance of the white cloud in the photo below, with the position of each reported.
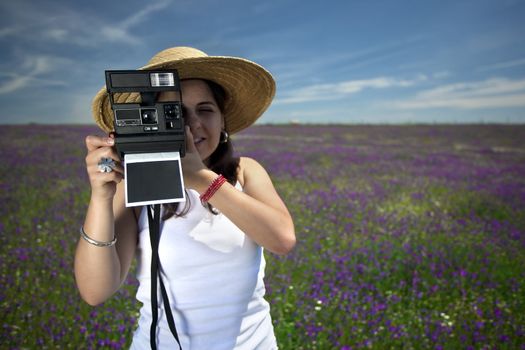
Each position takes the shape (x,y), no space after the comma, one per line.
(15,83)
(57,34)
(120,32)
(441,75)
(117,34)
(8,31)
(143,14)
(50,25)
(323,92)
(32,70)
(503,65)
(490,93)
(292,66)
(59,24)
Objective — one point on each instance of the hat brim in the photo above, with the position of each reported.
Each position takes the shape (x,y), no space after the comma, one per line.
(249,89)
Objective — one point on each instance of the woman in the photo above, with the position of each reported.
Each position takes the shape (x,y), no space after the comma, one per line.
(211,253)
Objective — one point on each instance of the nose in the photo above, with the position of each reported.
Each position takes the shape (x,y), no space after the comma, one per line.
(190,119)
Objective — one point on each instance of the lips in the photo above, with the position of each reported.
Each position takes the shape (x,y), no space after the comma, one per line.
(198,140)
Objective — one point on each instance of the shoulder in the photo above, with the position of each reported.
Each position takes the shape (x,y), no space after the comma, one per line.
(247,163)
(258,184)
(248,166)
(252,172)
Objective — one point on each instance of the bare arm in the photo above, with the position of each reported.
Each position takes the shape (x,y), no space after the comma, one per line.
(258,211)
(100,271)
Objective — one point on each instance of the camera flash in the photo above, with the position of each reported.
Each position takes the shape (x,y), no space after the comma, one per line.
(162,79)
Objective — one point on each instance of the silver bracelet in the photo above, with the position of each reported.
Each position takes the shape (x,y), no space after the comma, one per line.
(95,242)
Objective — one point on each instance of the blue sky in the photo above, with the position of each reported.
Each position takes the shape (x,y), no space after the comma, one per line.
(334,61)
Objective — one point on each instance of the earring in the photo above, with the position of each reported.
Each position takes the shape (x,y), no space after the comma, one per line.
(224,136)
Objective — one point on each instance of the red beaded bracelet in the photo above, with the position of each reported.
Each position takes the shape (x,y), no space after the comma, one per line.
(214,186)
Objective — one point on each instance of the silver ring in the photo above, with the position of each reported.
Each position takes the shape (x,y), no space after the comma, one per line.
(106,165)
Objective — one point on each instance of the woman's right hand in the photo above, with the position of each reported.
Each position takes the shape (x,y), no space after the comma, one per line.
(103,185)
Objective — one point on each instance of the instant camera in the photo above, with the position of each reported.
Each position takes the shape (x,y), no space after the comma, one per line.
(147,126)
(149,135)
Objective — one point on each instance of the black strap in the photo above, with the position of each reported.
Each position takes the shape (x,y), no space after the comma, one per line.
(154,233)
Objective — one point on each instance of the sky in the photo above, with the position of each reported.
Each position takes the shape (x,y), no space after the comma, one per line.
(351,61)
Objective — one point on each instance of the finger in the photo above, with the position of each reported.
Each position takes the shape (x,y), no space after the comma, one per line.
(94,157)
(103,178)
(117,168)
(190,146)
(102,152)
(93,163)
(93,142)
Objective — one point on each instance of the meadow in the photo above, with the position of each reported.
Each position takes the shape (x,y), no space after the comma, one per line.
(409,237)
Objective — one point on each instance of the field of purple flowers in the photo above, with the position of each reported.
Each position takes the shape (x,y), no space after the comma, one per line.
(409,237)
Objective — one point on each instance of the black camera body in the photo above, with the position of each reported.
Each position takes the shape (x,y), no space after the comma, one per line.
(147,126)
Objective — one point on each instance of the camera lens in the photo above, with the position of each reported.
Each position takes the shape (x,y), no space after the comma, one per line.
(149,116)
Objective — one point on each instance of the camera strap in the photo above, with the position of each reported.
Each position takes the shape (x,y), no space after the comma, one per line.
(154,230)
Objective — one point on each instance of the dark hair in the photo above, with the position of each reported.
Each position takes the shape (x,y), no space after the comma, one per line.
(221,161)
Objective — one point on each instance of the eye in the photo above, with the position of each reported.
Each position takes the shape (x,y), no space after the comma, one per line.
(206,110)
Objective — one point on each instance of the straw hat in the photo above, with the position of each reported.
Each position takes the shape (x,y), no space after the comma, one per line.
(249,87)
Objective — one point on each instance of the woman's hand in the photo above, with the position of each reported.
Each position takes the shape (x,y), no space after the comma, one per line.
(103,185)
(193,168)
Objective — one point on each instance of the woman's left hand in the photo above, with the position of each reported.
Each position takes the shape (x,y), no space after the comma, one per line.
(193,168)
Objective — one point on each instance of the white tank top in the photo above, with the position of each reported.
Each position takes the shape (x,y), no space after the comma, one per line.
(213,275)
